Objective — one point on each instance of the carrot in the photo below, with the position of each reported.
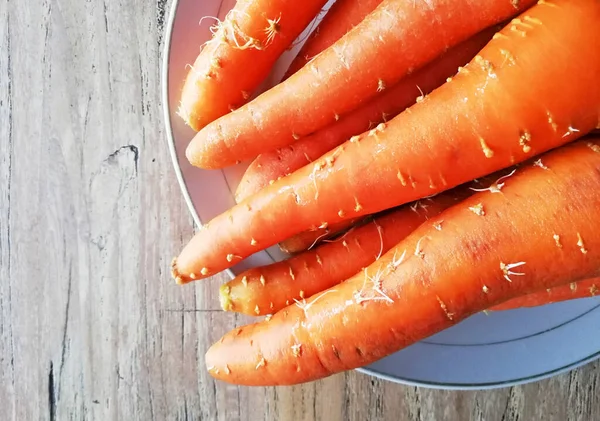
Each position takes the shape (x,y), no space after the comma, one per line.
(308,239)
(279,163)
(398,37)
(340,18)
(573,291)
(532,88)
(434,279)
(240,55)
(267,289)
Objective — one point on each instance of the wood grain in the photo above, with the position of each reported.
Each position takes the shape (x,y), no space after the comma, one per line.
(91,326)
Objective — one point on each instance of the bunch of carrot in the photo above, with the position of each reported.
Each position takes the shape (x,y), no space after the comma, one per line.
(424,161)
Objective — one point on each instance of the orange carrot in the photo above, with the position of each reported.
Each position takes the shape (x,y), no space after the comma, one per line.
(268,289)
(308,239)
(491,248)
(532,88)
(240,55)
(279,163)
(340,18)
(398,37)
(573,291)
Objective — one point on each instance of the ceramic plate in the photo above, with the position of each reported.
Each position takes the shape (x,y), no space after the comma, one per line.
(501,349)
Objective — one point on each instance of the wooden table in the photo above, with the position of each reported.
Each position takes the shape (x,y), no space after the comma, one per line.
(91,325)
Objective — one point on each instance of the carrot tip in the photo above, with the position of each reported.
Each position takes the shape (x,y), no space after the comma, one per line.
(225,298)
(261,363)
(175,272)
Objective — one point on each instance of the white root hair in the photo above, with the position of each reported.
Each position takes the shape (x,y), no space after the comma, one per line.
(335,240)
(507,270)
(313,176)
(581,244)
(380,232)
(184,113)
(377,284)
(570,131)
(497,186)
(420,205)
(539,163)
(227,30)
(248,41)
(419,250)
(397,261)
(272,30)
(304,306)
(421,97)
(317,240)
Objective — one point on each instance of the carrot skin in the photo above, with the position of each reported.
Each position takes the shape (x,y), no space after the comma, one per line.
(341,17)
(281,162)
(240,56)
(396,38)
(573,291)
(512,102)
(418,288)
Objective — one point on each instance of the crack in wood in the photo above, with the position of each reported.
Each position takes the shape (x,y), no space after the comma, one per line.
(511,410)
(105,16)
(161,13)
(51,393)
(9,181)
(132,148)
(66,323)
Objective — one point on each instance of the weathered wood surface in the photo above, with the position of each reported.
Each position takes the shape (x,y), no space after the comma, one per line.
(91,326)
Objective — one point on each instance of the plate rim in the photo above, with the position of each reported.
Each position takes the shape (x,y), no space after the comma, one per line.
(164,80)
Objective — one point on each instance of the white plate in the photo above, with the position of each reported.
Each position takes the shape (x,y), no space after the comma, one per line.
(501,349)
